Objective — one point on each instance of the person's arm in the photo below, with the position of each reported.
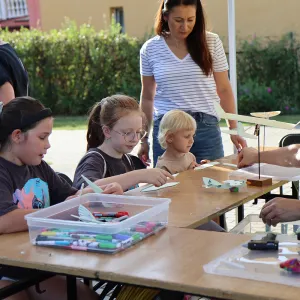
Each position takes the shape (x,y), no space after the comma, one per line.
(285,157)
(147,106)
(154,176)
(280,210)
(147,98)
(7,93)
(225,93)
(11,217)
(224,90)
(14,221)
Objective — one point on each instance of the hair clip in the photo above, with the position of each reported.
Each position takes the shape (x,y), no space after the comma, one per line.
(1,107)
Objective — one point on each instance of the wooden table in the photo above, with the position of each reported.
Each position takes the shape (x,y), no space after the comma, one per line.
(172,260)
(193,205)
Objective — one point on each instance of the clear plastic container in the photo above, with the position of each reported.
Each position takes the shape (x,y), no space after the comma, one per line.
(254,224)
(258,265)
(55,227)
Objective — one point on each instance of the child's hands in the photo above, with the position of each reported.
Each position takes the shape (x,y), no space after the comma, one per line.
(193,165)
(156,176)
(112,188)
(204,161)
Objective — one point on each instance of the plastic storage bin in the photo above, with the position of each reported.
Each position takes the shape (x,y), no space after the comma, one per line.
(55,227)
(253,224)
(263,266)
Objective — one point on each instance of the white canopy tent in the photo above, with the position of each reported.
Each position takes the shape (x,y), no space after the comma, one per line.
(232,47)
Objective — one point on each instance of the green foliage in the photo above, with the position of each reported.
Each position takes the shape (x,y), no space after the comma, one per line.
(268,75)
(72,68)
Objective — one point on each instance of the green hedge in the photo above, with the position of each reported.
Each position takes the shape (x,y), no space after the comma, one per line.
(269,75)
(72,68)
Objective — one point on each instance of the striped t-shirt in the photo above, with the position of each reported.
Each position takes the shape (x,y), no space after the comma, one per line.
(180,83)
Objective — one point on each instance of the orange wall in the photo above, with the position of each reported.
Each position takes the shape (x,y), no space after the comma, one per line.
(260,17)
(138,14)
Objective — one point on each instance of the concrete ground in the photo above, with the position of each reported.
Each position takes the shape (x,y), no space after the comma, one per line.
(68,146)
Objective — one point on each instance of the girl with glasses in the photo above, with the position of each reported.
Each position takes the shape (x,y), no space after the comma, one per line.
(115,127)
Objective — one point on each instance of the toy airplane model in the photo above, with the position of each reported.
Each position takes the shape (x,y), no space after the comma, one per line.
(232,185)
(248,119)
(266,115)
(240,131)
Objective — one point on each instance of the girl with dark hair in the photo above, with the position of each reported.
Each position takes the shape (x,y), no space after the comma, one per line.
(115,127)
(28,183)
(185,67)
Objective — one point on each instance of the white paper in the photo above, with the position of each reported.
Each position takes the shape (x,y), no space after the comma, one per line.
(152,188)
(208,165)
(229,165)
(270,171)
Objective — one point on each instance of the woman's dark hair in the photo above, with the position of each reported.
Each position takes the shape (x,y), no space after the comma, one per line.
(18,109)
(196,41)
(107,112)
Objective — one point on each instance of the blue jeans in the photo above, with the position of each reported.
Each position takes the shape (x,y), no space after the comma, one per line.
(207,143)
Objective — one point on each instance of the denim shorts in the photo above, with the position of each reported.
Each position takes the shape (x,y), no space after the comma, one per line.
(207,142)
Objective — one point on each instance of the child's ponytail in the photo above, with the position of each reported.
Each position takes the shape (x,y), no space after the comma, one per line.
(95,136)
(107,112)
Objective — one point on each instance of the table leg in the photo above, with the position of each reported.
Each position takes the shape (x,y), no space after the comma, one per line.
(72,288)
(222,221)
(240,213)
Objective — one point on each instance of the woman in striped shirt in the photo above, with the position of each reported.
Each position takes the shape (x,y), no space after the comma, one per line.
(185,67)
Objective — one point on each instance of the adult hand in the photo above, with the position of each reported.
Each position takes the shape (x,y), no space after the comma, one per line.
(239,142)
(280,210)
(247,157)
(143,153)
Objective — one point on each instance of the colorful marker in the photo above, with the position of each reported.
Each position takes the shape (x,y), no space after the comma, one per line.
(52,243)
(121,237)
(109,245)
(120,219)
(111,214)
(53,233)
(107,237)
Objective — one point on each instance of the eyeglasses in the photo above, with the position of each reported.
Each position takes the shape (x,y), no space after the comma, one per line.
(130,136)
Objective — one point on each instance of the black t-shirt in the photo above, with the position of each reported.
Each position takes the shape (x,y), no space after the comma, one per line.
(96,165)
(13,71)
(30,187)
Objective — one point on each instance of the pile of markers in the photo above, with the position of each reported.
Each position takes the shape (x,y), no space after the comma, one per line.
(96,242)
(111,216)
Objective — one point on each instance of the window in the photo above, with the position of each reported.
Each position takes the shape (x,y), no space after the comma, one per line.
(118,15)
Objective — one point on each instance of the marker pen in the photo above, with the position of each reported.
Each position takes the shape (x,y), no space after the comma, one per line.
(52,243)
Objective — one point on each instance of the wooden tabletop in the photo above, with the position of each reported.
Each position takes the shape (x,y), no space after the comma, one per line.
(173,259)
(193,205)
